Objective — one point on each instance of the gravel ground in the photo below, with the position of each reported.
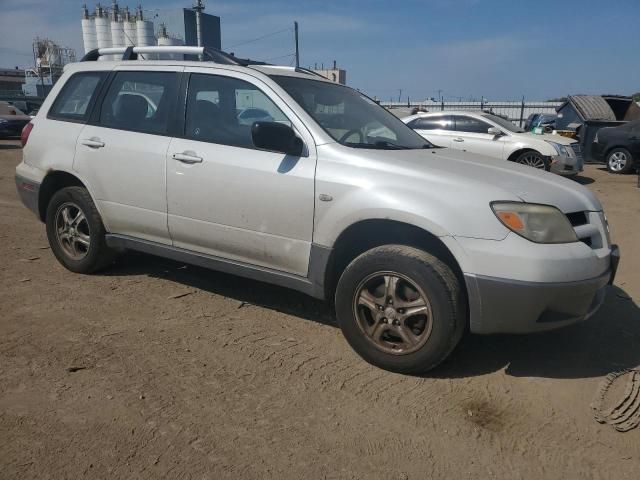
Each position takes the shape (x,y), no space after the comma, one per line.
(153,369)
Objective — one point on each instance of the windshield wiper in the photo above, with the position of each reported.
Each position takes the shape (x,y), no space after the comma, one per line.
(386,143)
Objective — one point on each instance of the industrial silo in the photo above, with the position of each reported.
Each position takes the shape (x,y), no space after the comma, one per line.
(144,29)
(165,40)
(103,30)
(130,31)
(88,31)
(117,27)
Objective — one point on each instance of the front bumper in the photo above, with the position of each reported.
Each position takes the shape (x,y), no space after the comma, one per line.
(28,191)
(563,165)
(499,305)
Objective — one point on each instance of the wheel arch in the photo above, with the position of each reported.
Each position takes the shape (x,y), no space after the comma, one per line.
(611,148)
(54,181)
(364,235)
(516,153)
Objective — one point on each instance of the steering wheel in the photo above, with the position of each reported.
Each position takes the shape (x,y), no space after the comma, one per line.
(351,132)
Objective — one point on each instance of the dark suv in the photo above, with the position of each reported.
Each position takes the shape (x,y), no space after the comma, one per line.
(618,147)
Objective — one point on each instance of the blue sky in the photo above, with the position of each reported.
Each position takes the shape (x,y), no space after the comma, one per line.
(499,49)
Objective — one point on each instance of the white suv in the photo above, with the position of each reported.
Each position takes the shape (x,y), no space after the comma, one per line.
(334,197)
(492,136)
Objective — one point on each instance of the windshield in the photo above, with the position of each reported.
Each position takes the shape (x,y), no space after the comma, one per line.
(351,118)
(506,124)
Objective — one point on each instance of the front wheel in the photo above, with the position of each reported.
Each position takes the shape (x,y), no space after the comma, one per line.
(400,308)
(619,160)
(532,159)
(75,231)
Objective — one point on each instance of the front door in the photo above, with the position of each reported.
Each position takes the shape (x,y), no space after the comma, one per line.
(122,153)
(438,129)
(471,136)
(225,197)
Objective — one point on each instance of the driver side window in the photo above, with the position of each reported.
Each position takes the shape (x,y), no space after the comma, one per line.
(223,110)
(470,125)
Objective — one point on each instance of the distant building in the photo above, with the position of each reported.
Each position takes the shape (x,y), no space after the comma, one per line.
(11,79)
(335,74)
(182,23)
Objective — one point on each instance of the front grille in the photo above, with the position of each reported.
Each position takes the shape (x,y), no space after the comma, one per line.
(577,149)
(589,228)
(577,218)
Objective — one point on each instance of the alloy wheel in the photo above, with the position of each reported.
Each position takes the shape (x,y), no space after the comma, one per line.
(618,161)
(532,160)
(394,314)
(72,231)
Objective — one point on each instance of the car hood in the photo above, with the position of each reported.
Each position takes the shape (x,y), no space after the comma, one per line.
(488,178)
(550,137)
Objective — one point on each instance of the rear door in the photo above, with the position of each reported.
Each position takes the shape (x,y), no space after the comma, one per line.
(471,136)
(227,198)
(438,129)
(121,153)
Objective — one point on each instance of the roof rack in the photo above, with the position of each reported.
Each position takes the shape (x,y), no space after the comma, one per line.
(204,53)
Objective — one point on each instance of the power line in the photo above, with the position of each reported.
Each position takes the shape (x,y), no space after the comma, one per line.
(259,38)
(279,57)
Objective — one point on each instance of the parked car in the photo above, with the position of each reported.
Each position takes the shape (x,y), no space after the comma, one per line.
(12,120)
(491,136)
(545,120)
(413,244)
(618,147)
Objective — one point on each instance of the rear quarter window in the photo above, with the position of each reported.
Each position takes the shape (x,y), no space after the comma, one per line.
(77,96)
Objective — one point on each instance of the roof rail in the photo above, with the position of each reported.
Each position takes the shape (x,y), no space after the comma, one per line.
(205,53)
(309,72)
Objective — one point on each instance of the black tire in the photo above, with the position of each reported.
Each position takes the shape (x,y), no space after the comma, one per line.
(530,156)
(89,259)
(621,153)
(433,277)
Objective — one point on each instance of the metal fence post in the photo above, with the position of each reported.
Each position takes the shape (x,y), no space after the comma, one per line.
(522,112)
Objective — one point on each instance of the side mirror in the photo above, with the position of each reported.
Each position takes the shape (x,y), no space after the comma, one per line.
(276,137)
(495,131)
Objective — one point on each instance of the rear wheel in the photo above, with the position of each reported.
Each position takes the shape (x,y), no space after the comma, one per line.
(400,308)
(619,160)
(533,159)
(75,231)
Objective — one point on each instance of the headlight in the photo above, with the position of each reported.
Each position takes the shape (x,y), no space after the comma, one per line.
(561,149)
(538,223)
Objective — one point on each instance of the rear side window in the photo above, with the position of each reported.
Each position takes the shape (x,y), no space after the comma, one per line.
(77,96)
(471,125)
(140,102)
(432,123)
(223,109)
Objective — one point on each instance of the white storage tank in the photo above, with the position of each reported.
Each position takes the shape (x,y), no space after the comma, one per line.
(103,31)
(146,37)
(130,31)
(88,31)
(117,27)
(165,40)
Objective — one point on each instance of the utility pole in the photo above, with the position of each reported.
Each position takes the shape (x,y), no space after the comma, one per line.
(295,29)
(199,8)
(399,94)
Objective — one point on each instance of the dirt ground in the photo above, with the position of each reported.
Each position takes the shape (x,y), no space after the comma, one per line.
(154,369)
